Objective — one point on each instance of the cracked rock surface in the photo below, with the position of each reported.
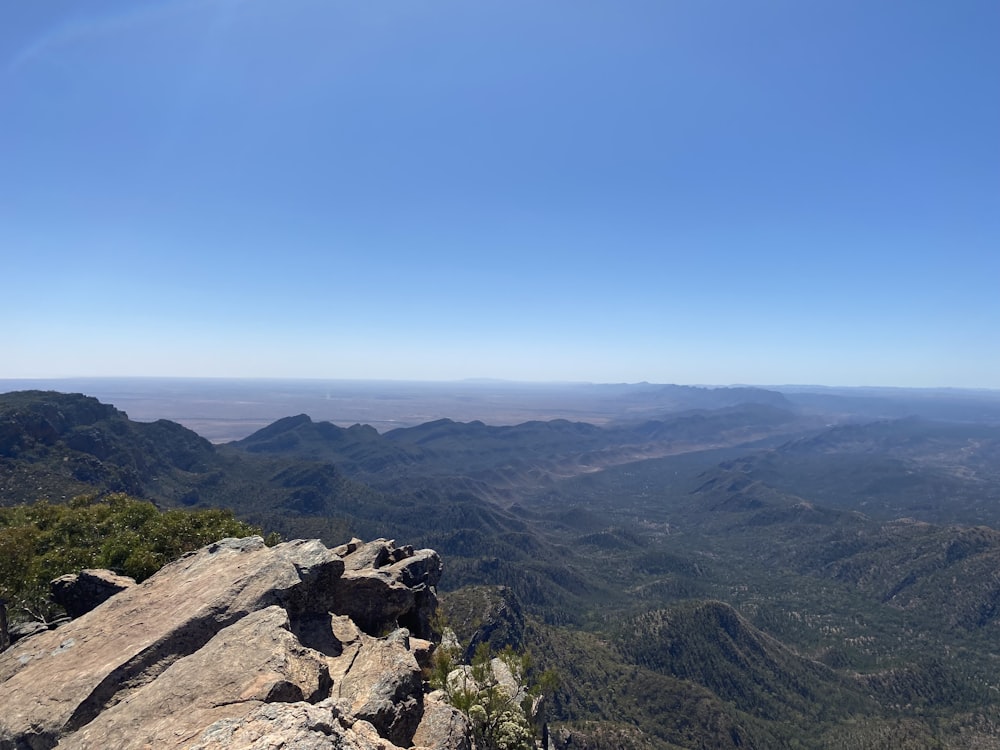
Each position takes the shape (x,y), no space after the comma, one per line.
(241,645)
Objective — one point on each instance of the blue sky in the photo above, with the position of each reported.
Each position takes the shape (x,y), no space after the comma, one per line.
(687,191)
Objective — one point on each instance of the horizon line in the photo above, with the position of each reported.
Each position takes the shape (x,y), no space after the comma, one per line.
(485,381)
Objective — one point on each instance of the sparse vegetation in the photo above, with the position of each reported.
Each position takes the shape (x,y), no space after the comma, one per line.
(496,693)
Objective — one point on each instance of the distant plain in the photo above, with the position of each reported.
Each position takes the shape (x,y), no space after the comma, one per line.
(223,410)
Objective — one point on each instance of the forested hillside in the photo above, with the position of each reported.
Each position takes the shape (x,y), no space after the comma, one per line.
(736,577)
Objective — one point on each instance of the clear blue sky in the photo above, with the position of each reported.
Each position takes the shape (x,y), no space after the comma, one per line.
(688,191)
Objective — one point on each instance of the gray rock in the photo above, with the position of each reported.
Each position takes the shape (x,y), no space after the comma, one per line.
(296,726)
(381,683)
(254,661)
(442,726)
(22,630)
(365,556)
(383,584)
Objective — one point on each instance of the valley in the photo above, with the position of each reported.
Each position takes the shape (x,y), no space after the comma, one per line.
(701,567)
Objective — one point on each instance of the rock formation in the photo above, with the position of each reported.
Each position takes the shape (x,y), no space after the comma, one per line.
(239,645)
(78,593)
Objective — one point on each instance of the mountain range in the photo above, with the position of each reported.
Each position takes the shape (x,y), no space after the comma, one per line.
(756,573)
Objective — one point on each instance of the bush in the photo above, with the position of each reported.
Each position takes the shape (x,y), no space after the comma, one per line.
(495,694)
(43,541)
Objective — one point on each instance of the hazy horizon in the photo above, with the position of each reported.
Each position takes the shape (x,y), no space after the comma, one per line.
(476,381)
(689,192)
(222,409)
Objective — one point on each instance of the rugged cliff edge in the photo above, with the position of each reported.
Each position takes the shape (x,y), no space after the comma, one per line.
(239,645)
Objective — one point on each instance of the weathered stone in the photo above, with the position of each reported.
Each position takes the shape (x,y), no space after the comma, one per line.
(22,630)
(343,550)
(381,683)
(229,647)
(78,593)
(298,726)
(97,659)
(372,555)
(423,652)
(252,662)
(374,590)
(418,569)
(442,726)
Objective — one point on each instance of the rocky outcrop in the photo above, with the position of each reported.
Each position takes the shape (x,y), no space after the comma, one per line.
(241,645)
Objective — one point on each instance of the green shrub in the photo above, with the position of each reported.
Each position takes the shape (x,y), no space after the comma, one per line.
(500,710)
(132,537)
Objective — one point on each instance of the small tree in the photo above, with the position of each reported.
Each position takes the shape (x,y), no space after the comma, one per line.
(494,693)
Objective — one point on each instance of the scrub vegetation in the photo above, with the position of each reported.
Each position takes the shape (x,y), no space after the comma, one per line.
(41,541)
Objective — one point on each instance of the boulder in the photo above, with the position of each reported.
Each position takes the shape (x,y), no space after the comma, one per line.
(386,584)
(382,684)
(255,661)
(236,645)
(78,593)
(442,726)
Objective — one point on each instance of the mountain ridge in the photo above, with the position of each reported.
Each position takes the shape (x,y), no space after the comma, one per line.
(752,530)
